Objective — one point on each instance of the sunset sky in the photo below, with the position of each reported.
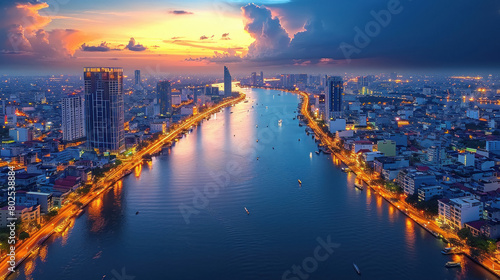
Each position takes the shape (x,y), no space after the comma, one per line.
(185,36)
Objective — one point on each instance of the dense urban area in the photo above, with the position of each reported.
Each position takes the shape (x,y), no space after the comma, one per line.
(431,142)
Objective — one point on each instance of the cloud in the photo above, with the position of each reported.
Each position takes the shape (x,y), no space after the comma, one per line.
(203,37)
(227,56)
(22,32)
(270,37)
(208,45)
(180,12)
(132,46)
(405,39)
(103,47)
(225,36)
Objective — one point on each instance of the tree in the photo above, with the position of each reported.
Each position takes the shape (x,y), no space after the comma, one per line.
(464,233)
(23,235)
(78,203)
(52,213)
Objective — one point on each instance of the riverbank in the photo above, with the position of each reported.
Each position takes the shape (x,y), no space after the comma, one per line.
(70,211)
(415,215)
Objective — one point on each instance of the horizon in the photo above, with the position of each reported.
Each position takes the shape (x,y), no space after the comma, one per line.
(298,36)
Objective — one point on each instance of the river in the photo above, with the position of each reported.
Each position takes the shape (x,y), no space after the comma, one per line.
(183,215)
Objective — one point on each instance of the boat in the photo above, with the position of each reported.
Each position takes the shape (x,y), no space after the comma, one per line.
(280,122)
(248,212)
(300,182)
(346,169)
(317,152)
(79,213)
(448,250)
(358,184)
(356,268)
(452,264)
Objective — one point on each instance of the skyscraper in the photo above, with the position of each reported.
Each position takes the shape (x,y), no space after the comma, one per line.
(261,78)
(73,120)
(227,82)
(104,109)
(333,97)
(254,78)
(164,97)
(137,77)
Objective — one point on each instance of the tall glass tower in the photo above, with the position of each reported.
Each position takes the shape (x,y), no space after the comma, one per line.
(104,109)
(227,82)
(164,97)
(137,74)
(333,97)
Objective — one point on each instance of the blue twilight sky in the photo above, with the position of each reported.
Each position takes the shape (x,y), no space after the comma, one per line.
(65,35)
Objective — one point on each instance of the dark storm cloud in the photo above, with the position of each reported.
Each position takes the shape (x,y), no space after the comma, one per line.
(396,33)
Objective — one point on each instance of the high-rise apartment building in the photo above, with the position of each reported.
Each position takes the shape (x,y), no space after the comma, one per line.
(73,118)
(333,96)
(104,109)
(164,91)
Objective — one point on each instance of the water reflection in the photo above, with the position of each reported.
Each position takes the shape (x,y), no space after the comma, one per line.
(138,170)
(410,236)
(29,268)
(95,215)
(42,253)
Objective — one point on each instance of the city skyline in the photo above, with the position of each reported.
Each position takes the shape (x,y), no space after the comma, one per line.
(173,37)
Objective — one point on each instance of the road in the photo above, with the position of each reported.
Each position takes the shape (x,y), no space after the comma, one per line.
(24,249)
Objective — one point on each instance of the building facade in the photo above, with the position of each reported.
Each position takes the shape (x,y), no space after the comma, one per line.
(227,82)
(457,211)
(73,118)
(104,109)
(333,96)
(164,90)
